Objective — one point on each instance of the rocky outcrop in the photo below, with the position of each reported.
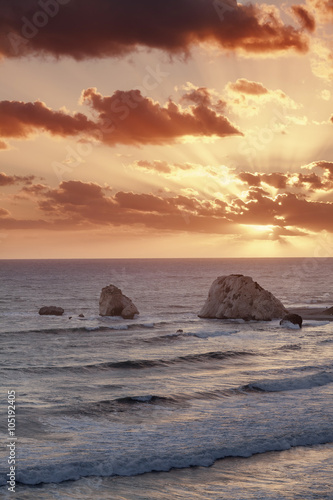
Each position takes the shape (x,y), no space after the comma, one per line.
(295,319)
(112,302)
(329,311)
(239,297)
(51,311)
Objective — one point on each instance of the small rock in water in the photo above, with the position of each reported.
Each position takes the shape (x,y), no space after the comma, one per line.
(70,317)
(81,315)
(51,311)
(295,319)
(180,331)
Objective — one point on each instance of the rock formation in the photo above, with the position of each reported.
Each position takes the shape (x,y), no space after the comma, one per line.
(112,302)
(51,311)
(295,319)
(329,310)
(239,297)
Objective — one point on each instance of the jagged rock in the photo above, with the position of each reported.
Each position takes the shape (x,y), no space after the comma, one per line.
(295,319)
(51,311)
(239,297)
(329,311)
(112,302)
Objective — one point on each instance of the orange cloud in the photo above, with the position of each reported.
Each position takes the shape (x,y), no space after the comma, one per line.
(306,19)
(245,86)
(123,118)
(20,119)
(323,7)
(4,212)
(162,167)
(129,118)
(83,29)
(286,181)
(86,205)
(9,180)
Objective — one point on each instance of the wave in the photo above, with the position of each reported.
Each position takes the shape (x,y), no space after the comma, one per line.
(292,383)
(290,347)
(187,335)
(159,460)
(128,403)
(78,329)
(141,363)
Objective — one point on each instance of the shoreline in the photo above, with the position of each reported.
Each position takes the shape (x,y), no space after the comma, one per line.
(314,313)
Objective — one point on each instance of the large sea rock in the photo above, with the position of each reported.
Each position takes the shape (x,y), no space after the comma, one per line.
(112,302)
(239,297)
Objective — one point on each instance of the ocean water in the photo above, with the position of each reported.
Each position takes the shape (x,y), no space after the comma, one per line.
(118,409)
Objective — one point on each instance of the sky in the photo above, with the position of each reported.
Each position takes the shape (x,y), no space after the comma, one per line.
(153,129)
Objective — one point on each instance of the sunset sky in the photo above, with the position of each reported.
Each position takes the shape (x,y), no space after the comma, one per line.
(176,128)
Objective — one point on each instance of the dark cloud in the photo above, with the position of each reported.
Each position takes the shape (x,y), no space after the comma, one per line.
(202,96)
(287,181)
(130,118)
(10,180)
(87,205)
(306,19)
(250,179)
(4,212)
(84,29)
(20,119)
(123,118)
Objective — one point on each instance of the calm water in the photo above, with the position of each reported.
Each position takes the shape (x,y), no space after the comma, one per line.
(116,409)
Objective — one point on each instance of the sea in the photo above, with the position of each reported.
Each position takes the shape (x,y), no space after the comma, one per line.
(167,405)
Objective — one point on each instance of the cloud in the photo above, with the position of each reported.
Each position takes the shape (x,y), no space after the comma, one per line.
(244,86)
(83,29)
(4,212)
(126,117)
(204,97)
(131,118)
(19,120)
(324,9)
(163,167)
(78,205)
(306,19)
(245,97)
(9,180)
(294,181)
(285,210)
(3,145)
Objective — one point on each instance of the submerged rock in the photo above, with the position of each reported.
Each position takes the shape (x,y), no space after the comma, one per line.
(239,297)
(51,311)
(295,319)
(112,302)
